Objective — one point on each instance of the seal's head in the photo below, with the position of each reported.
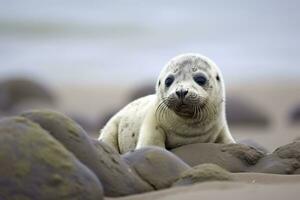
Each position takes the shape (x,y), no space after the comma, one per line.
(191,85)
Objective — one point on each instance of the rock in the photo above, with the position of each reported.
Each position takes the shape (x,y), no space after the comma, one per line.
(246,153)
(156,166)
(116,168)
(289,151)
(295,115)
(254,144)
(232,157)
(242,113)
(16,91)
(35,166)
(242,158)
(284,160)
(117,178)
(202,173)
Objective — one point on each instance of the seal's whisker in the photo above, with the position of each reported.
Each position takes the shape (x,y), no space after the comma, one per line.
(180,116)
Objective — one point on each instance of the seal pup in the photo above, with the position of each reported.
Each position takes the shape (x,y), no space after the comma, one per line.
(188,107)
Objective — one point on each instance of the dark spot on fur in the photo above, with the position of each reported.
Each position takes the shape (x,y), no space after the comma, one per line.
(218,77)
(133,134)
(158,83)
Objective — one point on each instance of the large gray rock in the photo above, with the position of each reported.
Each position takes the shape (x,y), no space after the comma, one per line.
(242,158)
(156,166)
(117,178)
(203,173)
(232,157)
(284,160)
(35,166)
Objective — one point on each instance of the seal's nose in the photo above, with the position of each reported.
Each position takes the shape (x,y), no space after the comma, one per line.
(181,93)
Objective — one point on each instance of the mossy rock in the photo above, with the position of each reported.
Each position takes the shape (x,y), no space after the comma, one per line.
(203,173)
(156,166)
(115,174)
(35,166)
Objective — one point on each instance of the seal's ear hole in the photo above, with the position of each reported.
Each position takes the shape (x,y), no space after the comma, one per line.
(218,77)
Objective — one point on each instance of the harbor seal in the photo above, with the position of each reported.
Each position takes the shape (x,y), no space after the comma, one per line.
(188,107)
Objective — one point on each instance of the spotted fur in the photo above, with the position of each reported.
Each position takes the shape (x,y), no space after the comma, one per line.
(167,120)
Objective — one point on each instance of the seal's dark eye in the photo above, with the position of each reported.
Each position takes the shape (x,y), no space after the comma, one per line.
(200,79)
(169,81)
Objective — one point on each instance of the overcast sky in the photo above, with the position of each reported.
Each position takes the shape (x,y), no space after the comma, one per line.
(128,41)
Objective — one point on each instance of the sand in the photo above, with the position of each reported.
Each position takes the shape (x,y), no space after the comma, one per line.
(248,186)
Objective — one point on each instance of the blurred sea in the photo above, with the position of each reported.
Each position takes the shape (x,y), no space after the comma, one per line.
(128,41)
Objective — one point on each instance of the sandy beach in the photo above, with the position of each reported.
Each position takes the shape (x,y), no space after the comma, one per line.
(248,187)
(67,67)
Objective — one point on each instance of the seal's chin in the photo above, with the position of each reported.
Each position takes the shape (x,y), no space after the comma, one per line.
(184,110)
(185,114)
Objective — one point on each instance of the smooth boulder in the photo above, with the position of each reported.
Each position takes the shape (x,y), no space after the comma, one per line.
(203,173)
(35,166)
(284,160)
(117,178)
(156,166)
(232,157)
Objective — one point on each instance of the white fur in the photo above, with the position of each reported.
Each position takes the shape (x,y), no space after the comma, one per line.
(137,125)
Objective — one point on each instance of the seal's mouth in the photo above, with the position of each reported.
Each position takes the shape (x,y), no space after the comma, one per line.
(187,110)
(183,107)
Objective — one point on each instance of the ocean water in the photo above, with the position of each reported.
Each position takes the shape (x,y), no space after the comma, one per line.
(129,41)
